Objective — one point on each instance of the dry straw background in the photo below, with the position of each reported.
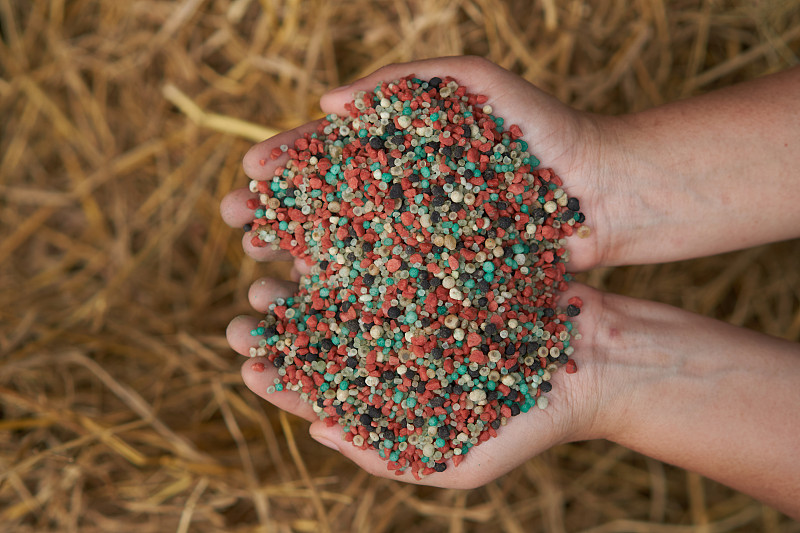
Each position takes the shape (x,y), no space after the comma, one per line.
(123,125)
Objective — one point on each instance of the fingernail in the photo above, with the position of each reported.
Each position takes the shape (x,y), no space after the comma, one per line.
(325,442)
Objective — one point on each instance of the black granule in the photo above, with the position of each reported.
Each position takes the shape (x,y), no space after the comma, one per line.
(573,204)
(376,143)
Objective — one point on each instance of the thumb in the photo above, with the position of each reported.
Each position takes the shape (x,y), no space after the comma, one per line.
(481,74)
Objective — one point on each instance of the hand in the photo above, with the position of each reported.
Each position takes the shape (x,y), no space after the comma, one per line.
(564,139)
(646,371)
(572,414)
(561,137)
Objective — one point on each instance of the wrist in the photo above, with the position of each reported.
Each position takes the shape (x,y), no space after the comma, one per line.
(699,394)
(617,371)
(625,220)
(616,187)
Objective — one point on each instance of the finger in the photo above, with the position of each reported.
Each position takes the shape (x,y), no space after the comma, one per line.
(475,69)
(234,210)
(264,291)
(294,274)
(238,334)
(235,213)
(302,267)
(259,375)
(263,253)
(258,163)
(299,268)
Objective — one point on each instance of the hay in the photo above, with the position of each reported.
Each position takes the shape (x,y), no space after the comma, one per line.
(121,407)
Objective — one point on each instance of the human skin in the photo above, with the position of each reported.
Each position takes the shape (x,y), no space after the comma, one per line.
(669,183)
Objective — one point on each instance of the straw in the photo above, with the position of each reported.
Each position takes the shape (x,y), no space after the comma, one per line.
(124,124)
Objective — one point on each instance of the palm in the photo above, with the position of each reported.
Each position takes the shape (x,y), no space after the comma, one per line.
(557,136)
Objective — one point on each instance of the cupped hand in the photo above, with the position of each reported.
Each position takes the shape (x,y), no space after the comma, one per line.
(576,402)
(563,139)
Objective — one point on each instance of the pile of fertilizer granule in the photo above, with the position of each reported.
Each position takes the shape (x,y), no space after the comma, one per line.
(429,318)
